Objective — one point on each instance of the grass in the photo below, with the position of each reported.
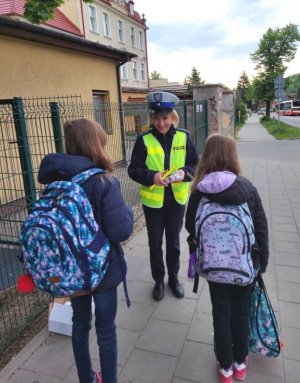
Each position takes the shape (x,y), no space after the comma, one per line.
(280,130)
(237,128)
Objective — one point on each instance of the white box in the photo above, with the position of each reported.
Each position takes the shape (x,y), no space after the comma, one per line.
(60,316)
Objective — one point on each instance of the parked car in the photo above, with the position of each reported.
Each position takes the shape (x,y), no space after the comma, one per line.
(262,111)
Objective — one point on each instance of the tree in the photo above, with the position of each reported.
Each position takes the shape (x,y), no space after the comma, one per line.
(277,47)
(155,75)
(242,86)
(293,85)
(39,11)
(194,79)
(263,88)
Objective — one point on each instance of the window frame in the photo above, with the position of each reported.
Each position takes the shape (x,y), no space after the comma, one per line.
(90,8)
(124,71)
(141,40)
(132,36)
(106,24)
(102,114)
(143,72)
(135,70)
(121,31)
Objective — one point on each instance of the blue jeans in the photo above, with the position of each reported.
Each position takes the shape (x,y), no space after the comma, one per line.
(105,313)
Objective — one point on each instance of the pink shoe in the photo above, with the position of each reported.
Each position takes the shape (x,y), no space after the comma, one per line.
(98,378)
(240,370)
(225,376)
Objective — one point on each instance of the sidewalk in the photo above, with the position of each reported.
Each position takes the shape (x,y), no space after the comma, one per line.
(172,341)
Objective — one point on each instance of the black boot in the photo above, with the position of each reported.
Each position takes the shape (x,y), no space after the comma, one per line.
(176,287)
(158,291)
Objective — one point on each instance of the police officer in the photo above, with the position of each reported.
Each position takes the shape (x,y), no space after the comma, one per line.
(163,162)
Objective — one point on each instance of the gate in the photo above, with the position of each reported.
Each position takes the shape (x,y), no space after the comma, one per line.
(200,123)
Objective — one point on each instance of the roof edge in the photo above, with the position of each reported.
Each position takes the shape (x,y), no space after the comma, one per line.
(26,31)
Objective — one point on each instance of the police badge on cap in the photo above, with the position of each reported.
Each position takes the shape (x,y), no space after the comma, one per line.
(162,102)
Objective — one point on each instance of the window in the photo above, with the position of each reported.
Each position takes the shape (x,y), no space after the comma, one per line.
(141,40)
(102,113)
(143,75)
(93,19)
(121,31)
(106,24)
(132,36)
(135,72)
(124,72)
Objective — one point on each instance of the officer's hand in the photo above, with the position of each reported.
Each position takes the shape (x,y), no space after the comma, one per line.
(158,180)
(178,176)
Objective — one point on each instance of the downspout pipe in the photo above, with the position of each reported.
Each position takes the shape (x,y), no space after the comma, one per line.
(121,111)
(82,19)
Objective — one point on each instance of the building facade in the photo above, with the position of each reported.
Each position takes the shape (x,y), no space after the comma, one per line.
(115,23)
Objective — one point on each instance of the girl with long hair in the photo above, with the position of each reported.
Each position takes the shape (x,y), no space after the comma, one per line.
(85,145)
(218,179)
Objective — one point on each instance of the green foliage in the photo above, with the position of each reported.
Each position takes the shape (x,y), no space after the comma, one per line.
(194,79)
(242,86)
(280,130)
(264,118)
(40,11)
(277,47)
(241,107)
(293,85)
(155,75)
(241,114)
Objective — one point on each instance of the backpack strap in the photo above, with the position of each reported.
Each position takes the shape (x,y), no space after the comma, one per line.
(86,174)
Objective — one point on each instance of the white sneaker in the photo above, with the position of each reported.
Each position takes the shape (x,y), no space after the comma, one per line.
(240,370)
(225,376)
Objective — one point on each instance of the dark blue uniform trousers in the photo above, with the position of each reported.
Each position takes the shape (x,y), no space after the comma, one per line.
(168,219)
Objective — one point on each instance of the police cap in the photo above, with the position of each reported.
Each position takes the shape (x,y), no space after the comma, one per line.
(162,103)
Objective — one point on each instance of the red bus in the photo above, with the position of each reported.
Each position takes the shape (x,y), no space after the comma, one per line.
(289,108)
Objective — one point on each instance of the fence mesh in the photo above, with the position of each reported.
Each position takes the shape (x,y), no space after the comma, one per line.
(29,129)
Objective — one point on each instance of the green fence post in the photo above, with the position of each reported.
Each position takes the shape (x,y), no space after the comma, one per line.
(185,117)
(56,125)
(24,152)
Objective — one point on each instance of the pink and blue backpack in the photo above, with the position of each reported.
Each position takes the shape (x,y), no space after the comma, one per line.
(63,248)
(224,237)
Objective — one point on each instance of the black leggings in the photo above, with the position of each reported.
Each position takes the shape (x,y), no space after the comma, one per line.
(230,309)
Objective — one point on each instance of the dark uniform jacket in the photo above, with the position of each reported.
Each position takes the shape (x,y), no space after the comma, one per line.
(137,169)
(110,211)
(240,191)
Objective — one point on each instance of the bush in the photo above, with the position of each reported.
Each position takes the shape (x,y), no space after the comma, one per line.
(240,106)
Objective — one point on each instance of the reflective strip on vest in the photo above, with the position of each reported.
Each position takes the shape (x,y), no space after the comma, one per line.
(155,161)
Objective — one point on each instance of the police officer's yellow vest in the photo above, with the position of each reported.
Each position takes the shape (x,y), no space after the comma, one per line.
(155,161)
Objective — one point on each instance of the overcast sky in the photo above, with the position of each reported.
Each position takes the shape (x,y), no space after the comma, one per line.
(216,37)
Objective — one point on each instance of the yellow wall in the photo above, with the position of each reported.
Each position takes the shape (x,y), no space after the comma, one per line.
(31,69)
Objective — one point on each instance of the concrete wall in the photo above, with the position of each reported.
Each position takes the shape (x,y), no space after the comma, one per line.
(221,107)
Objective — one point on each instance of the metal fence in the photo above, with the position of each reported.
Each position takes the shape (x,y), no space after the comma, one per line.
(30,129)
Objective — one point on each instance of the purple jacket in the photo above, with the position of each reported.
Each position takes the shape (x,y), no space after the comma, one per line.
(227,188)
